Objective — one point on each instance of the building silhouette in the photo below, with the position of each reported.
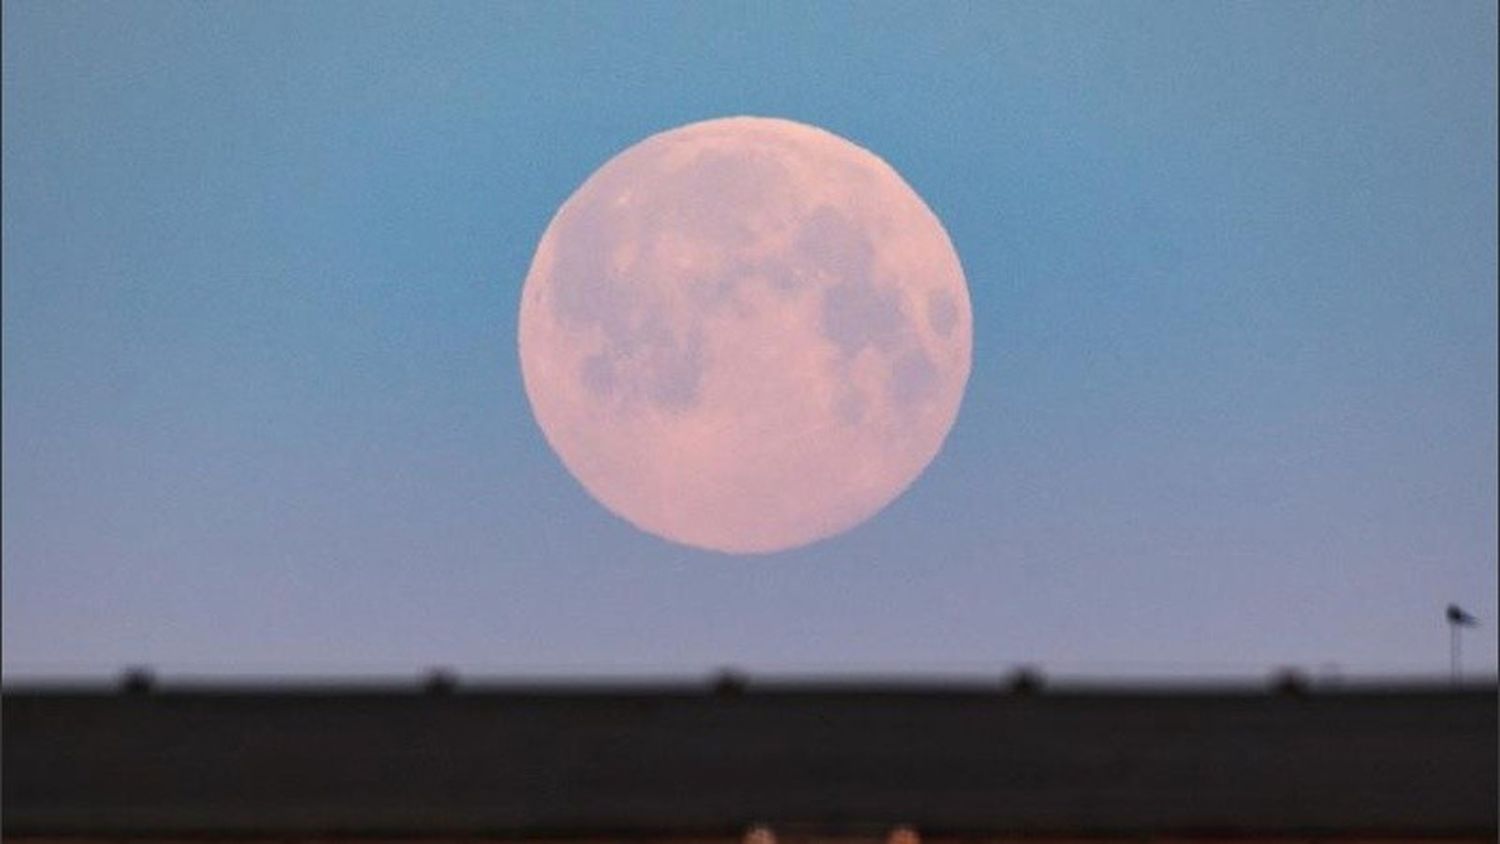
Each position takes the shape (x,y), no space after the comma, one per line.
(726,761)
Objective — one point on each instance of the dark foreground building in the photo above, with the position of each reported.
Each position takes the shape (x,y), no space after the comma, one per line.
(804,762)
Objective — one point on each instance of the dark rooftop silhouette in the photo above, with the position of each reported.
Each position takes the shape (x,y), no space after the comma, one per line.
(576,760)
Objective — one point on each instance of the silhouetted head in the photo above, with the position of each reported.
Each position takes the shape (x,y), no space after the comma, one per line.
(440,681)
(1026,681)
(1289,682)
(729,683)
(137,680)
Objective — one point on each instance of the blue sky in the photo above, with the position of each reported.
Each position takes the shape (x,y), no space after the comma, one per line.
(1233,403)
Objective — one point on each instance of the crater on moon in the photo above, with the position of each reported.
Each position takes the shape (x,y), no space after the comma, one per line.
(745,334)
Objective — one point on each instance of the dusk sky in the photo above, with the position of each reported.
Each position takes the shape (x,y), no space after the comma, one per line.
(1233,396)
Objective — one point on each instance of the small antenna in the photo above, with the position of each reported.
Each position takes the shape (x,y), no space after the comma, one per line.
(1457,620)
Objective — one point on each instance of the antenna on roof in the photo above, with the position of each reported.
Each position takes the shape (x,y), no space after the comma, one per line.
(1457,619)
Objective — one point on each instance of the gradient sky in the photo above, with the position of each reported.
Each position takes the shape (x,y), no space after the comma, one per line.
(1233,403)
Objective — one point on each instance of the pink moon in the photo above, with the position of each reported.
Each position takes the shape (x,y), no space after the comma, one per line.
(745,335)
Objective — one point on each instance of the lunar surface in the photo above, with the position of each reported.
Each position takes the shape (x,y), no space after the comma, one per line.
(745,334)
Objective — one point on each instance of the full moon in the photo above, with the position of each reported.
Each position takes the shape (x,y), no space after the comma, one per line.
(745,334)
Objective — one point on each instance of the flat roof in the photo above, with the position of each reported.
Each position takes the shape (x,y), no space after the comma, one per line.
(581,760)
